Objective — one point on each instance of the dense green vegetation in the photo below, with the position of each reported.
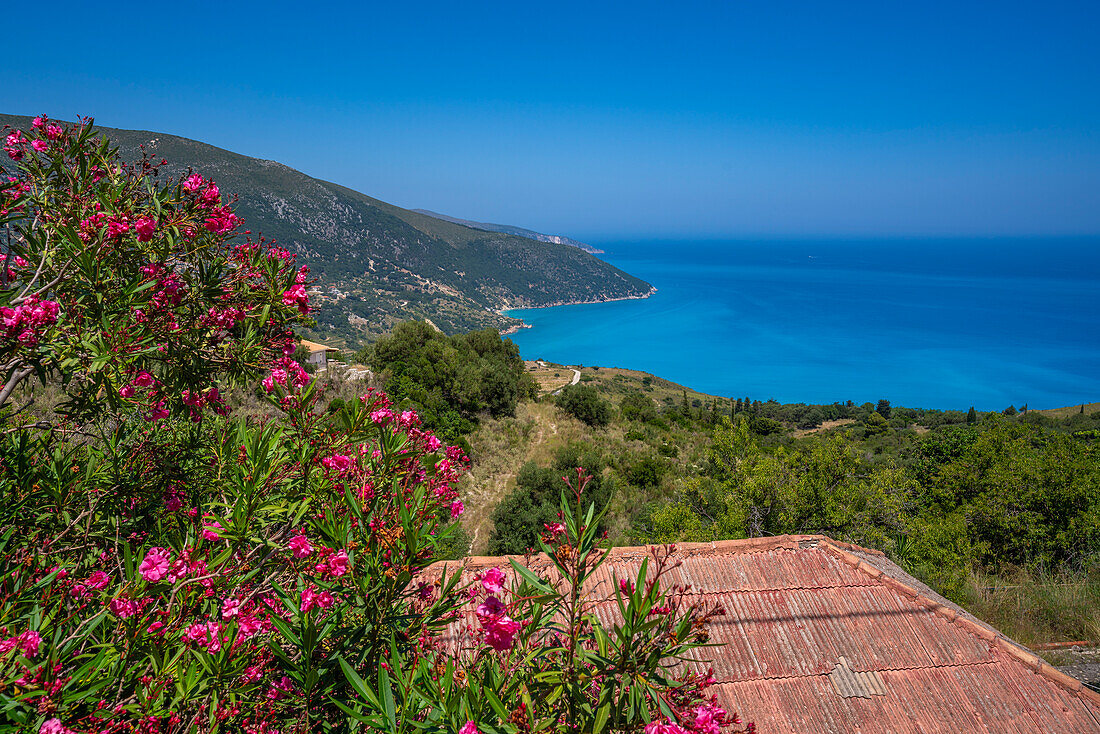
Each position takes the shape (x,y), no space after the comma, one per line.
(995,496)
(450,380)
(584,403)
(521,519)
(1008,501)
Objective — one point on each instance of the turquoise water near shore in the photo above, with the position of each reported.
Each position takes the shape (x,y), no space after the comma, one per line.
(924,323)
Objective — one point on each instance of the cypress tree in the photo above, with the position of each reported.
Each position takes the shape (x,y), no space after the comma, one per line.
(971,416)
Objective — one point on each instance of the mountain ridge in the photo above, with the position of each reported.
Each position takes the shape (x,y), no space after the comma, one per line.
(378,264)
(512,229)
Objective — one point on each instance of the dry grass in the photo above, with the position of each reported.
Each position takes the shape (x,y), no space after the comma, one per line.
(549,378)
(826,426)
(1069,410)
(1039,608)
(500,447)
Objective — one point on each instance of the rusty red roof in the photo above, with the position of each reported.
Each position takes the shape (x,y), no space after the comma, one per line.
(822,636)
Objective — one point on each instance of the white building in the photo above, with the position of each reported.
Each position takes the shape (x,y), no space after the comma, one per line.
(318,353)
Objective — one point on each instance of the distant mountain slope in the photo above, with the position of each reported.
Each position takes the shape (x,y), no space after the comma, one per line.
(509,229)
(378,263)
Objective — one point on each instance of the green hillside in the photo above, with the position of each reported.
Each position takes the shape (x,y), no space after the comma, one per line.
(377,263)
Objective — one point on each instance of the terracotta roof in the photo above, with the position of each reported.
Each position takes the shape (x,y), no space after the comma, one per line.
(822,636)
(315,347)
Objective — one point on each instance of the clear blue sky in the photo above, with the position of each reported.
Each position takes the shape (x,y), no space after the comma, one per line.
(604,120)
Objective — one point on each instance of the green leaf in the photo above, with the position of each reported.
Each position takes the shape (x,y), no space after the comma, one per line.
(358,683)
(531,578)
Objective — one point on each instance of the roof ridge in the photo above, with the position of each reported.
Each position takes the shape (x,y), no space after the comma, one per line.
(992,661)
(1003,643)
(742,545)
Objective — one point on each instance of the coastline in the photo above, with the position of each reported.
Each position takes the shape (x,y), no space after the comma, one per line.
(524,325)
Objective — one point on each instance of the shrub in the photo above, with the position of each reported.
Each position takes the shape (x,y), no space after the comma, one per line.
(583,403)
(127,292)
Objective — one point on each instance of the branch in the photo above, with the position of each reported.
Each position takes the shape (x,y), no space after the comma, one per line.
(41,264)
(13,382)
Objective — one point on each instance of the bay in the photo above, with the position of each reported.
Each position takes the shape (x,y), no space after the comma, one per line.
(944,323)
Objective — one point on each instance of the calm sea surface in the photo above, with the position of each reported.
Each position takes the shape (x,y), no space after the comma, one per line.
(924,323)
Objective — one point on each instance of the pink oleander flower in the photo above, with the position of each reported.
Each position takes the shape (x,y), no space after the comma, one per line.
(252,674)
(310,599)
(118,227)
(231,607)
(300,545)
(158,412)
(54,726)
(40,145)
(664,727)
(279,688)
(457,508)
(307,599)
(212,195)
(434,443)
(500,629)
(338,563)
(469,728)
(381,416)
(493,581)
(97,580)
(126,391)
(210,530)
(144,379)
(296,295)
(626,586)
(156,564)
(193,183)
(27,642)
(124,608)
(30,640)
(178,571)
(338,463)
(53,132)
(249,625)
(145,227)
(709,719)
(554,528)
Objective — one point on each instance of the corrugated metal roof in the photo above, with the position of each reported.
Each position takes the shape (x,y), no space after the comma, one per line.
(816,639)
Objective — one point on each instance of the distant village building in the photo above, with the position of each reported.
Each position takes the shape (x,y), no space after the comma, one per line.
(318,353)
(823,636)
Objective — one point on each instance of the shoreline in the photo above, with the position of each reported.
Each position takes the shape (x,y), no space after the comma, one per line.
(524,325)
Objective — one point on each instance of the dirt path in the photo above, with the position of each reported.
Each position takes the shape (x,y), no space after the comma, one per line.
(576,379)
(500,449)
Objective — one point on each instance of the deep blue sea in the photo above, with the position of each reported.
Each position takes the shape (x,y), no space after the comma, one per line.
(924,323)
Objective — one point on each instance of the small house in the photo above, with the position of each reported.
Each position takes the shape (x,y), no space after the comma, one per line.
(319,354)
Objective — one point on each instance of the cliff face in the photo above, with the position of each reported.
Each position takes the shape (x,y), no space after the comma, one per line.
(377,263)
